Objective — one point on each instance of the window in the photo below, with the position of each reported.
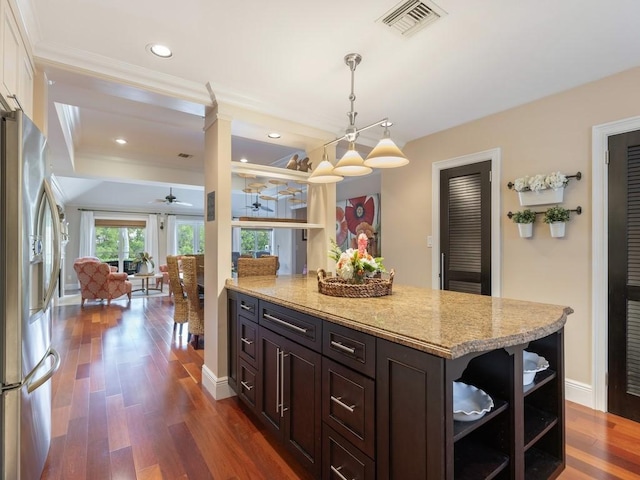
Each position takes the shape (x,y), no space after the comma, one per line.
(256,242)
(117,245)
(190,237)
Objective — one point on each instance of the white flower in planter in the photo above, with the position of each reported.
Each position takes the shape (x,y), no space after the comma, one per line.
(537,183)
(521,184)
(556,180)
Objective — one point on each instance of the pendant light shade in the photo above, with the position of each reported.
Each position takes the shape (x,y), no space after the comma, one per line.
(386,155)
(324,172)
(351,164)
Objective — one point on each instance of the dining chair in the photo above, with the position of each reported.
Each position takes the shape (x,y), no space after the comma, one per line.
(195,301)
(253,267)
(181,305)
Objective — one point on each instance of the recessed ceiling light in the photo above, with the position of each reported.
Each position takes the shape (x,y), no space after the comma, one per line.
(121,141)
(274,135)
(161,51)
(244,160)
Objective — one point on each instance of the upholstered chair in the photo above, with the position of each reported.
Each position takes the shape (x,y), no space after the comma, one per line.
(252,267)
(99,280)
(165,279)
(196,302)
(181,306)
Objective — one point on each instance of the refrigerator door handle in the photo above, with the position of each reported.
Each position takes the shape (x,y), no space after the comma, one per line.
(34,384)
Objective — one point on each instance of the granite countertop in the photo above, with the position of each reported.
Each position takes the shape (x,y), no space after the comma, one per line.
(443,323)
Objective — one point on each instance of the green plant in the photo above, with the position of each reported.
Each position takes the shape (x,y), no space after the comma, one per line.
(556,214)
(143,257)
(526,216)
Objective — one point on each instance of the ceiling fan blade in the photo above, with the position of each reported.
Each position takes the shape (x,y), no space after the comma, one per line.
(158,200)
(178,202)
(266,209)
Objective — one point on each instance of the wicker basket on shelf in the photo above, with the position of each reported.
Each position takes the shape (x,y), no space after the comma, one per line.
(336,287)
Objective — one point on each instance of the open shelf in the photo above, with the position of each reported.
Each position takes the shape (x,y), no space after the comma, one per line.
(536,423)
(462,429)
(475,460)
(541,465)
(541,379)
(266,224)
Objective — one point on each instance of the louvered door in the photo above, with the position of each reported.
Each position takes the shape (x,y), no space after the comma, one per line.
(465,228)
(624,275)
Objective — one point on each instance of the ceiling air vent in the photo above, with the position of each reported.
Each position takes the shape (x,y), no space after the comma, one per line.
(184,155)
(411,16)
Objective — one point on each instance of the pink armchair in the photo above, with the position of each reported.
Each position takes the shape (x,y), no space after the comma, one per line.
(100,281)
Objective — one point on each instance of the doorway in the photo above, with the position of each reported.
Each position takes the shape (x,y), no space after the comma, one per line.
(623,391)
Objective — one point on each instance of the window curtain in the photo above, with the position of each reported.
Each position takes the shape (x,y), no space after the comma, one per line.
(87,247)
(151,238)
(172,235)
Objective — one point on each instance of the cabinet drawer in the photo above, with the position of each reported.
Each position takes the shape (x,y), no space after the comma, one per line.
(248,341)
(348,404)
(248,307)
(350,347)
(341,460)
(247,384)
(299,327)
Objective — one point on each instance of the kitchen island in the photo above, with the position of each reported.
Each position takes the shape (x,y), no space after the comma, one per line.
(363,388)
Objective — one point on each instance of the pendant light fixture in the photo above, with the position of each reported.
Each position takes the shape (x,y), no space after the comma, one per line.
(385,155)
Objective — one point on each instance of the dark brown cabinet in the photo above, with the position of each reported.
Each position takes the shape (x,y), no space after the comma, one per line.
(289,386)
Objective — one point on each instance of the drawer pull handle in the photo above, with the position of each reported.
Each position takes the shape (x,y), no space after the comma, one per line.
(338,400)
(342,347)
(285,324)
(337,472)
(244,307)
(247,386)
(245,341)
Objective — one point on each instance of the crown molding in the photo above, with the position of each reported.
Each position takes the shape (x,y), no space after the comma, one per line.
(81,61)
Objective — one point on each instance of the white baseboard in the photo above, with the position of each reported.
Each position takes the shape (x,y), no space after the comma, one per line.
(579,392)
(218,387)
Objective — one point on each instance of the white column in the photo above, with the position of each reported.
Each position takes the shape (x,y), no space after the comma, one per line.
(217,181)
(321,208)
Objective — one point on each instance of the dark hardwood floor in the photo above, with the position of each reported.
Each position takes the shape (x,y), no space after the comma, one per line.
(128,403)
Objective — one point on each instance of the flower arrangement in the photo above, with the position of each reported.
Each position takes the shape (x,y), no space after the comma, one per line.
(143,257)
(526,216)
(354,265)
(540,182)
(556,214)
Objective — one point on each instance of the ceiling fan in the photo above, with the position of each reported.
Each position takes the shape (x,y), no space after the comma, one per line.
(255,206)
(172,200)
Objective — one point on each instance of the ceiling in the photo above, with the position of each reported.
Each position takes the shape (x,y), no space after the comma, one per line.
(285,59)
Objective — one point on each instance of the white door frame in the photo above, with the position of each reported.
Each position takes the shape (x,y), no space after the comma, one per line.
(495,155)
(599,252)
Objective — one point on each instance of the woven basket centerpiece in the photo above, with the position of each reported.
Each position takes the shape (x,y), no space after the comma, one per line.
(370,287)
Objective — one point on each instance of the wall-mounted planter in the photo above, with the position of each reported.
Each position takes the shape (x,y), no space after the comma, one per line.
(525,230)
(541,197)
(557,229)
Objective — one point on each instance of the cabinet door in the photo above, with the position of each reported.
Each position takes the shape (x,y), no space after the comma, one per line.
(269,381)
(302,408)
(410,413)
(11,51)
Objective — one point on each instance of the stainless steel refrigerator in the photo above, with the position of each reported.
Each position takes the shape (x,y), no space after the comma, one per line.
(29,267)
